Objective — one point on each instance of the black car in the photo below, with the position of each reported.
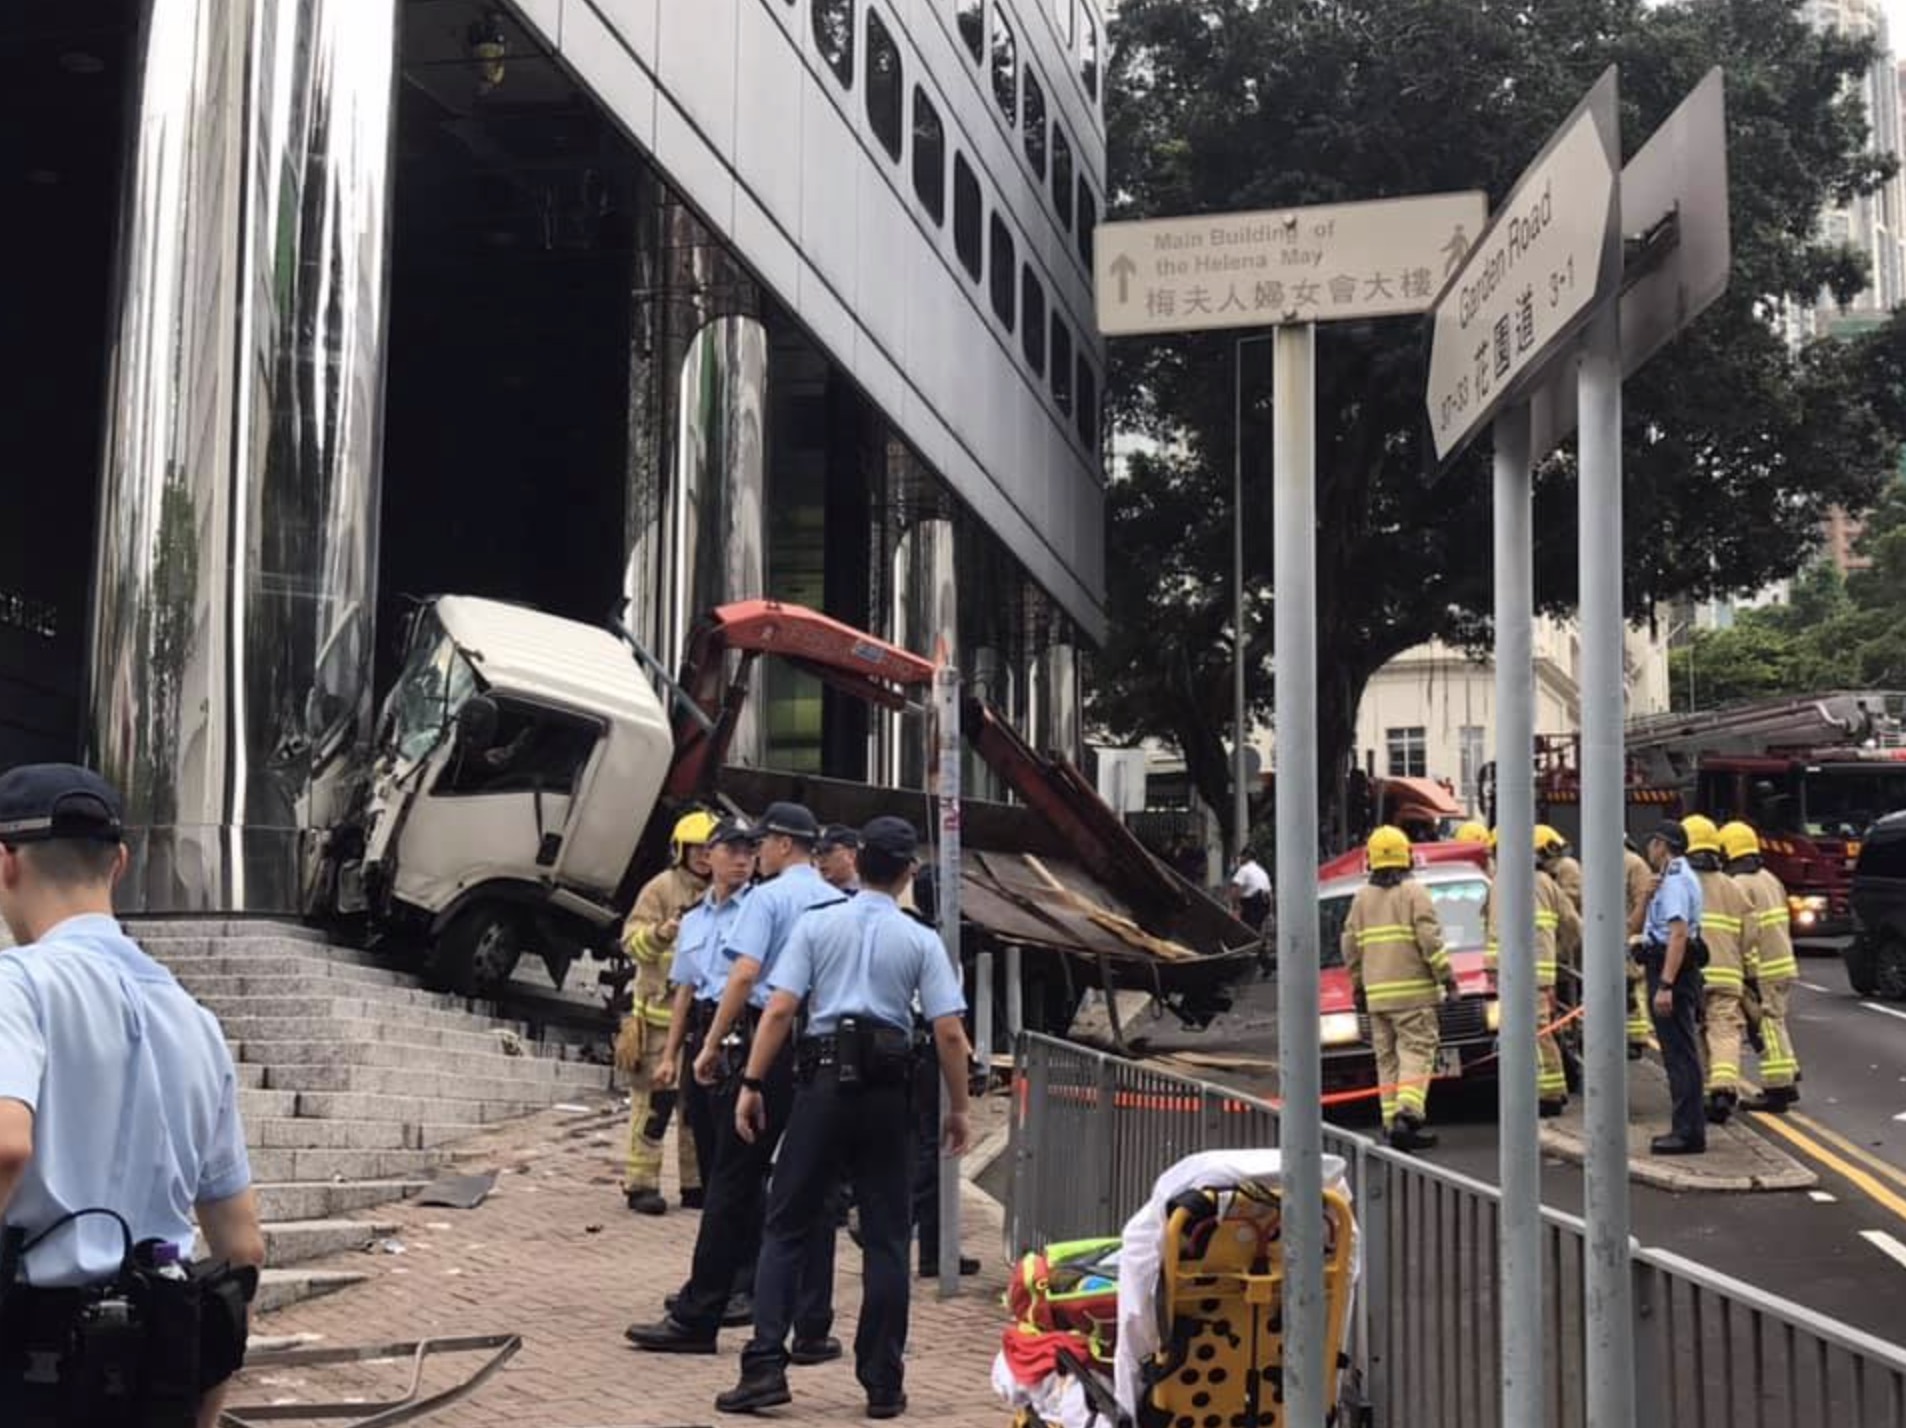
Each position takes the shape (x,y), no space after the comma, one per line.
(1876,958)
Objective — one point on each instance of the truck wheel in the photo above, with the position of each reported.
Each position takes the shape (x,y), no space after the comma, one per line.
(1889,968)
(475,953)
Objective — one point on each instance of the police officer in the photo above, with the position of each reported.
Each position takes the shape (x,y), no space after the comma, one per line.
(1771,966)
(699,973)
(836,857)
(649,939)
(859,965)
(730,1232)
(1670,954)
(1393,949)
(118,1118)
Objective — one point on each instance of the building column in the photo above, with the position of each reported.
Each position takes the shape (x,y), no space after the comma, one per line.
(232,629)
(918,605)
(698,456)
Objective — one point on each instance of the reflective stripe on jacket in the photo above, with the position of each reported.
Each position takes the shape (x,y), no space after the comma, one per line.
(1728,932)
(1773,955)
(1393,947)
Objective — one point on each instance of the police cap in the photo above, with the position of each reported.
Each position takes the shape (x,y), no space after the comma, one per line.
(733,830)
(793,819)
(1671,833)
(838,835)
(43,802)
(892,837)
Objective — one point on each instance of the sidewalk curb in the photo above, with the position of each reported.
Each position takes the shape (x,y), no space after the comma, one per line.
(1783,1172)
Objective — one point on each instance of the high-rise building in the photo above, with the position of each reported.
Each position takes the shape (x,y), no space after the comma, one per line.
(599,305)
(1873,223)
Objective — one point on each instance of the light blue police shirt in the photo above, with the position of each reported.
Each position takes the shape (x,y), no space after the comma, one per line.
(868,958)
(698,962)
(761,930)
(1678,898)
(134,1100)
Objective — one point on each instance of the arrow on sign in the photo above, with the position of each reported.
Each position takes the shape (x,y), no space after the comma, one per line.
(1123,268)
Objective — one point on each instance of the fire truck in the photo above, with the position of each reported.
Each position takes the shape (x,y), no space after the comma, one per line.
(1810,774)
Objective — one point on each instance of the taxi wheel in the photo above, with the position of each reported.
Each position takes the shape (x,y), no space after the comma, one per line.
(476,953)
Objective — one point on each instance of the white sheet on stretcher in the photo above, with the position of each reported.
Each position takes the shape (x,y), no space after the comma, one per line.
(1138,1282)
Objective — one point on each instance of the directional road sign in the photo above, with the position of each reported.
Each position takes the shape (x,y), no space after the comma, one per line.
(1552,253)
(1386,258)
(1679,174)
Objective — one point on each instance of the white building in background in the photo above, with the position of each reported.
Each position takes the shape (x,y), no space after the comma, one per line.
(1430,712)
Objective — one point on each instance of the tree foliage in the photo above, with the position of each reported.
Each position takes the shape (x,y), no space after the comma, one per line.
(1734,448)
(1832,634)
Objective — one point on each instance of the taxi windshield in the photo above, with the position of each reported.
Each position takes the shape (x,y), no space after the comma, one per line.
(1458,903)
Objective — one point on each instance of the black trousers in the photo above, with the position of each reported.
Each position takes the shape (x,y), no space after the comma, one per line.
(1680,1035)
(1253,911)
(860,1135)
(730,1235)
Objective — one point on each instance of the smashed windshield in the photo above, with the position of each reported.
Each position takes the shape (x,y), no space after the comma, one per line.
(435,682)
(1458,904)
(1843,802)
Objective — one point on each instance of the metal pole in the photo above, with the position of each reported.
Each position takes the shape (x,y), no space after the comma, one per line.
(1300,1076)
(1514,894)
(1240,768)
(1608,1285)
(1015,991)
(946,708)
(983,1008)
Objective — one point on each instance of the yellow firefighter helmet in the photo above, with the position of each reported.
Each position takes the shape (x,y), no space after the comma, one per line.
(692,830)
(1739,840)
(1703,836)
(1388,848)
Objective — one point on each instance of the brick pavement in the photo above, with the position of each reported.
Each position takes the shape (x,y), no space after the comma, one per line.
(554,1256)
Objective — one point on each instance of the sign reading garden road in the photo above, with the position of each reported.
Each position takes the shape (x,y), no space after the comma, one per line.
(1539,271)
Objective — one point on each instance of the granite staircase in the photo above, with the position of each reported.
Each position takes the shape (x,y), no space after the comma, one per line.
(353,1080)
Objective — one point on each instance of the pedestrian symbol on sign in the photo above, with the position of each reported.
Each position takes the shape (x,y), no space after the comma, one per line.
(1455,250)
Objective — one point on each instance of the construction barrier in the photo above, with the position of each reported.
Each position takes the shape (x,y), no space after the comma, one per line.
(1092,1132)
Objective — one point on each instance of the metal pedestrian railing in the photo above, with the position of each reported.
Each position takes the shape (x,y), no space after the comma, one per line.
(1091,1133)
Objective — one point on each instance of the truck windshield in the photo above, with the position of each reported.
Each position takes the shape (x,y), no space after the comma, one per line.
(436,680)
(1842,802)
(1458,903)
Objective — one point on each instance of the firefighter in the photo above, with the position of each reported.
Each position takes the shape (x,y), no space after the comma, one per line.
(649,939)
(1564,867)
(1639,881)
(1393,948)
(1557,925)
(1552,856)
(1728,936)
(1470,832)
(1771,969)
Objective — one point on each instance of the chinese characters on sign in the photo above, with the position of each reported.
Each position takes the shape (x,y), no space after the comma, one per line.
(1356,260)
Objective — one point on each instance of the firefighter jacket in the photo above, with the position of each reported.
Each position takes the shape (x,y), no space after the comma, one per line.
(1557,925)
(1772,958)
(663,899)
(1567,872)
(1638,880)
(1393,947)
(1728,932)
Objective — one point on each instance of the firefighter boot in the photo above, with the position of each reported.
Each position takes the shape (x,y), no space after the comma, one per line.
(648,1202)
(1408,1134)
(1774,1099)
(1720,1105)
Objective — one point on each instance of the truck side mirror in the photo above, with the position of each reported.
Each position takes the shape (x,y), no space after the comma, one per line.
(476,724)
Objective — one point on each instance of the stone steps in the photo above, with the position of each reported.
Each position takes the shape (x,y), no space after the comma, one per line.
(353,1081)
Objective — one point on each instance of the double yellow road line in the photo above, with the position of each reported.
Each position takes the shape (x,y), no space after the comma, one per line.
(1881,1182)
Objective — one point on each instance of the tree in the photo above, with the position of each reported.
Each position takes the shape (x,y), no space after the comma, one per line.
(1735,449)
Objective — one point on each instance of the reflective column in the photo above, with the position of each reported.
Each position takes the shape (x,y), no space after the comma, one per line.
(698,453)
(236,558)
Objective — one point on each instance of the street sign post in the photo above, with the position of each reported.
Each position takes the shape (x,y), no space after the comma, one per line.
(1386,258)
(1289,269)
(1566,213)
(1551,255)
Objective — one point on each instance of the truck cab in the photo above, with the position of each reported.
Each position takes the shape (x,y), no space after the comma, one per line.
(514,768)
